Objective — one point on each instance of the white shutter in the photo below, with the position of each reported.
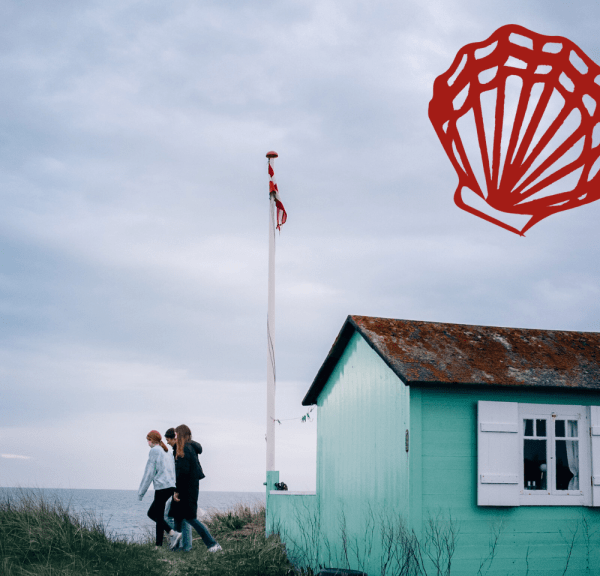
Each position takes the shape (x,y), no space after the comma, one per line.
(595,450)
(498,454)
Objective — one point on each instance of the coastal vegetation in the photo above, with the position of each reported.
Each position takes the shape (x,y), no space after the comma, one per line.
(44,538)
(41,537)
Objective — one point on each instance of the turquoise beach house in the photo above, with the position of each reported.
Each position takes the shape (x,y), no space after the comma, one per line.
(450,449)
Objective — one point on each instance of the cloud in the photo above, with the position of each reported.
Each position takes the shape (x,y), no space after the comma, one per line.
(17,456)
(133,229)
(108,439)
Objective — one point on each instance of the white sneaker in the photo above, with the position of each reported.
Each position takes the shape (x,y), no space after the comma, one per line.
(174,538)
(215,548)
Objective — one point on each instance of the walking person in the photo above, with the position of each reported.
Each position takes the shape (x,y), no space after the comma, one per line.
(160,470)
(187,478)
(185,543)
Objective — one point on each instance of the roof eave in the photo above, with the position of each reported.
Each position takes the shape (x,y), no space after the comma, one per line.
(546,387)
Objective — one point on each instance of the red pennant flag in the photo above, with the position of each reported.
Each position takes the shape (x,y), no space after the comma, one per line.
(281,213)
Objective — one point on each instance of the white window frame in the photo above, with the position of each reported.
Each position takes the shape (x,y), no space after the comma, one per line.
(551,497)
(500,442)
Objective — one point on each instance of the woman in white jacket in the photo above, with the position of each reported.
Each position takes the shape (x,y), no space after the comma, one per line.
(160,469)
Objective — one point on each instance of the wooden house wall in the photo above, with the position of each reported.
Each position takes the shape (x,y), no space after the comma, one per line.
(533,540)
(362,469)
(362,464)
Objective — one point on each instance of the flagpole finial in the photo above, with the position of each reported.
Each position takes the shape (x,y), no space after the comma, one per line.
(272,154)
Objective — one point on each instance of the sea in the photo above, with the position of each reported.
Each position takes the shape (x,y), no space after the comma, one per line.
(121,512)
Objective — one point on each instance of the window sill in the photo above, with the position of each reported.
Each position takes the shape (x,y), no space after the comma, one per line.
(571,499)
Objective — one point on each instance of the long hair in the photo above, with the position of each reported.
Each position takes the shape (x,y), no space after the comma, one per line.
(154,436)
(184,434)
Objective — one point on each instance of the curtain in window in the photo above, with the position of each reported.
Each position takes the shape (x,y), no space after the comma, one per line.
(573,456)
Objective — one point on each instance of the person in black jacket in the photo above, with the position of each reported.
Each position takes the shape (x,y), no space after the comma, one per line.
(185,544)
(188,473)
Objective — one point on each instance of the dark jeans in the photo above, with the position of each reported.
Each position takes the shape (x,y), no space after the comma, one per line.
(200,528)
(156,512)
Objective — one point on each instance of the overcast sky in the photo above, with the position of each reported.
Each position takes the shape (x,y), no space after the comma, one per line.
(134,219)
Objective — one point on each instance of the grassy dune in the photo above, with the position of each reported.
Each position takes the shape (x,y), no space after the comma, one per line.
(44,538)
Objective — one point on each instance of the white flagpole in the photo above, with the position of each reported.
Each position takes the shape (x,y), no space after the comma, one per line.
(271,330)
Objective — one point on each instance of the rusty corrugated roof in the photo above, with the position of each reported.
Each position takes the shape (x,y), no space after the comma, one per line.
(427,353)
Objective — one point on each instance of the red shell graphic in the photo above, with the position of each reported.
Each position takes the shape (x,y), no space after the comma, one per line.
(518,116)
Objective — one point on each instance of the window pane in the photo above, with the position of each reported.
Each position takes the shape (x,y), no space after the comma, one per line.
(567,465)
(572,429)
(535,469)
(560,429)
(540,427)
(528,425)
